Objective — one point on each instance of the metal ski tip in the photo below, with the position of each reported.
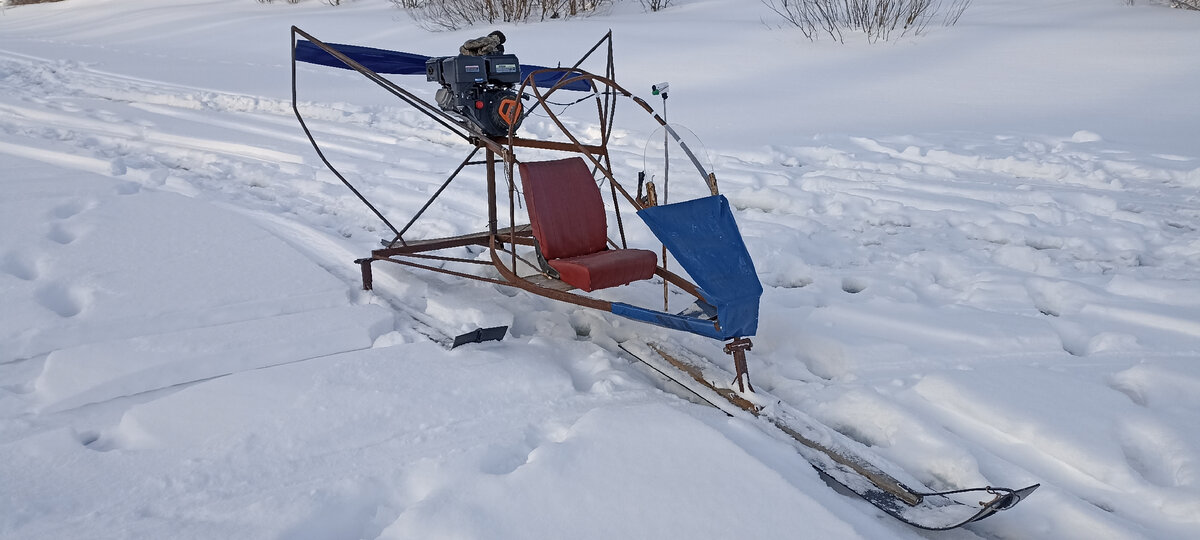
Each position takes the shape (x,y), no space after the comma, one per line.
(1010,500)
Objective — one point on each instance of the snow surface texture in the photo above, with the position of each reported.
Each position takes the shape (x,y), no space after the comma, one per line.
(981,254)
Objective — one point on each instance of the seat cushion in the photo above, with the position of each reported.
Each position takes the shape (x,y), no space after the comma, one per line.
(606,268)
(565,207)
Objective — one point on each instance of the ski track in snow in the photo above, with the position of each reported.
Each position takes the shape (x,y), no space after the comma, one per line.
(899,271)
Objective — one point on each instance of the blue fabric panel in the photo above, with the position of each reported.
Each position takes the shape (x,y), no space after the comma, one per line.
(667,320)
(402,63)
(704,238)
(548,79)
(377,60)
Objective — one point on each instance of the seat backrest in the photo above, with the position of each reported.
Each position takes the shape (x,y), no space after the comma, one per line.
(565,207)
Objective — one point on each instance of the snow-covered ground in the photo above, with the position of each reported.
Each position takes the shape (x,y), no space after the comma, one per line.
(980,250)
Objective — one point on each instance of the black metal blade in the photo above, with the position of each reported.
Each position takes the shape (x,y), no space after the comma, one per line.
(479,335)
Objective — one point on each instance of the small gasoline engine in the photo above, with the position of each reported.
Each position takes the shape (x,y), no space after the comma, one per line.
(477,84)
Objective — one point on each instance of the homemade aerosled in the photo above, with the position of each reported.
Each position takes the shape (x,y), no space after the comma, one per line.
(481,100)
(567,227)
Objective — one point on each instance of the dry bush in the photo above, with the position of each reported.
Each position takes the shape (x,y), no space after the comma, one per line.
(880,20)
(455,14)
(655,5)
(1192,5)
(330,2)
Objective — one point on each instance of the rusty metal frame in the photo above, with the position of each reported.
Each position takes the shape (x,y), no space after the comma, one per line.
(501,151)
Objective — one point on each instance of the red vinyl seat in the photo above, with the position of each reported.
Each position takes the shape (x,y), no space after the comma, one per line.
(567,215)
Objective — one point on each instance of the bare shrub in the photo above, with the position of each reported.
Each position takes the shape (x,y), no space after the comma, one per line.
(879,20)
(1192,5)
(655,5)
(330,2)
(26,2)
(455,14)
(553,9)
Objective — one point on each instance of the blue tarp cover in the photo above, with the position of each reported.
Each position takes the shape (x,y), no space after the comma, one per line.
(667,320)
(704,238)
(402,63)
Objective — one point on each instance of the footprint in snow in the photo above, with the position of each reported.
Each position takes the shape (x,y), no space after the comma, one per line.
(62,231)
(61,234)
(65,300)
(20,266)
(1159,455)
(502,459)
(73,208)
(854,285)
(128,188)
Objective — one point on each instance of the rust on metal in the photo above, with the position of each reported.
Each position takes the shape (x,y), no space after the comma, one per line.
(523,234)
(502,241)
(365,266)
(696,373)
(881,479)
(738,348)
(552,145)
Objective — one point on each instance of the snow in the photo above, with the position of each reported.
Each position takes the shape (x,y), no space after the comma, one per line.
(979,249)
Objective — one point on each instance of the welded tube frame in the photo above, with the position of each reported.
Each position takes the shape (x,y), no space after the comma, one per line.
(500,151)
